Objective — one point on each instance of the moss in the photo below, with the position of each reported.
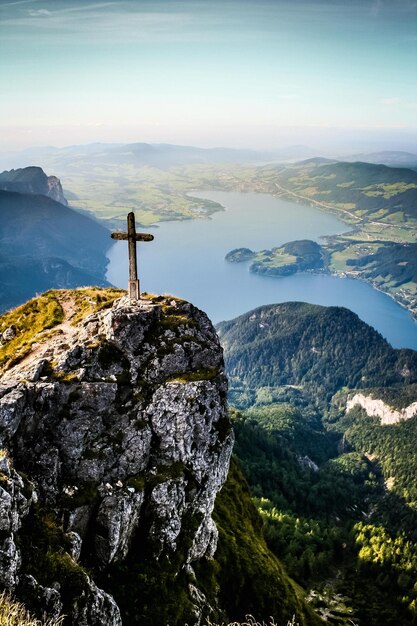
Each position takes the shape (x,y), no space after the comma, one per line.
(203,374)
(93,453)
(65,377)
(42,545)
(164,299)
(161,475)
(168,472)
(62,568)
(137,482)
(172,322)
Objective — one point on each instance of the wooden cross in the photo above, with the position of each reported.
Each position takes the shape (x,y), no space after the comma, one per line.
(132,237)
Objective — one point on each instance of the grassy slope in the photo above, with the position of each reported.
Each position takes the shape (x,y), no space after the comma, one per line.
(35,320)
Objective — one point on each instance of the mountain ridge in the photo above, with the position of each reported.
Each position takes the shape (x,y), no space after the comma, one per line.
(47,244)
(320,348)
(33,180)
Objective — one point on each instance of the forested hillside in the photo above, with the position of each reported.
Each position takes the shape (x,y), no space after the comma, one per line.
(308,351)
(337,490)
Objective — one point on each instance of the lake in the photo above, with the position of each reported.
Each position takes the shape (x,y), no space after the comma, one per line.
(186,259)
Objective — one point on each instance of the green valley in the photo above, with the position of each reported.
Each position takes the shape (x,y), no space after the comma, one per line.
(377,202)
(380,205)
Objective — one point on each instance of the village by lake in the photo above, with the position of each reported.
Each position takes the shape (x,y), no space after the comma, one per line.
(187,259)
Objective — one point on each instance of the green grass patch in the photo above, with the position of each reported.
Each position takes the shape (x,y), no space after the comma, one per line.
(89,300)
(173,322)
(30,321)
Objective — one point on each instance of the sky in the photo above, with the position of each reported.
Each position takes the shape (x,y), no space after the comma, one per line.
(239,73)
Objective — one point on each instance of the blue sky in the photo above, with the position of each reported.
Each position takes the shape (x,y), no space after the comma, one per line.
(238,73)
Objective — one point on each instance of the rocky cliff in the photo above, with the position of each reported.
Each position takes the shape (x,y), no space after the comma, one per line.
(115,442)
(33,180)
(375,407)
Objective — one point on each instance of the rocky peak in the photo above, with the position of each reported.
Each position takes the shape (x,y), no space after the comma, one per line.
(55,190)
(118,433)
(33,180)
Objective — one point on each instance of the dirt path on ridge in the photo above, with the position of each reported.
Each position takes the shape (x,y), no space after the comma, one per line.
(39,349)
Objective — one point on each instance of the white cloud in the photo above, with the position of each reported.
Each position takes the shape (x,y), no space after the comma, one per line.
(88,7)
(39,13)
(122,21)
(13,4)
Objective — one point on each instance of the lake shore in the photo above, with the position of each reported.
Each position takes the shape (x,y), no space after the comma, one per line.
(187,259)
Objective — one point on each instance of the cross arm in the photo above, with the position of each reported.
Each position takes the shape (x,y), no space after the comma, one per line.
(137,236)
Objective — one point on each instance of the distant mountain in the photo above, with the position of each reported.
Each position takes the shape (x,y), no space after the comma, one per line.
(392,158)
(367,187)
(317,161)
(165,155)
(45,244)
(317,349)
(33,180)
(155,155)
(23,277)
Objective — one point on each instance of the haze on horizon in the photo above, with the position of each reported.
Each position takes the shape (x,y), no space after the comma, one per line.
(332,73)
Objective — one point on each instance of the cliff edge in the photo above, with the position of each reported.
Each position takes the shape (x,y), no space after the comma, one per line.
(115,442)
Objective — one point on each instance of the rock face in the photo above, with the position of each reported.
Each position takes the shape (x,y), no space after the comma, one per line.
(120,441)
(55,190)
(33,180)
(378,408)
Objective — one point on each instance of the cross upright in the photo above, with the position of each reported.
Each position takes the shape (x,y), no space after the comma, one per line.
(132,237)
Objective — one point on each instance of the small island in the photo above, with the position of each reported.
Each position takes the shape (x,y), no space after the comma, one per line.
(292,257)
(239,255)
